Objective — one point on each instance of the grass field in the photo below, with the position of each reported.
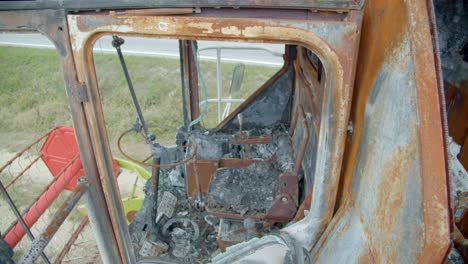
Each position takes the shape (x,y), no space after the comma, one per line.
(33,97)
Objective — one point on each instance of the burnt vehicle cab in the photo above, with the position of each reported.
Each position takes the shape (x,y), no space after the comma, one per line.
(338,157)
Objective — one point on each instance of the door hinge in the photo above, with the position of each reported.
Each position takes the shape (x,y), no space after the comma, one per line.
(81,93)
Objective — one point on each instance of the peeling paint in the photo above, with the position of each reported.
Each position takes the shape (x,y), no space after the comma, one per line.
(231,30)
(205,26)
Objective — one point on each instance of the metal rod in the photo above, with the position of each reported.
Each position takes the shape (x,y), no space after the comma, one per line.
(219,82)
(99,233)
(117,42)
(40,243)
(66,248)
(279,54)
(20,218)
(184,86)
(215,100)
(41,194)
(155,189)
(22,172)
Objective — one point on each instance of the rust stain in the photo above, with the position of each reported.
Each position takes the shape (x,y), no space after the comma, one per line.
(431,135)
(379,16)
(390,197)
(206,169)
(390,202)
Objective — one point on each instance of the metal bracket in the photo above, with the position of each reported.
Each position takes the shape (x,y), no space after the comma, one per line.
(80,93)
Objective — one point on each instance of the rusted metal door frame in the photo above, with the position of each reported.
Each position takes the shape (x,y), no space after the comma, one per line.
(52,24)
(335,41)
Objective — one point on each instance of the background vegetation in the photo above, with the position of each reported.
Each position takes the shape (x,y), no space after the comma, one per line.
(33,97)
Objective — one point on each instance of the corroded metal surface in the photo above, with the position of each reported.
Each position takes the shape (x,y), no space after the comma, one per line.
(393,186)
(52,23)
(394,176)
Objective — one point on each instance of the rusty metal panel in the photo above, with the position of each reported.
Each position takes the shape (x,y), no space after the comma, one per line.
(395,179)
(457,112)
(204,171)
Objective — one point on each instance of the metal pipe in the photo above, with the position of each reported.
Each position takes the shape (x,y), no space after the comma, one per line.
(99,233)
(219,81)
(34,201)
(155,189)
(40,243)
(66,248)
(15,234)
(116,43)
(242,48)
(20,218)
(211,100)
(22,172)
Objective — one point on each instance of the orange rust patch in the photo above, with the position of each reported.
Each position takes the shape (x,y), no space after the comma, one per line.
(390,196)
(383,29)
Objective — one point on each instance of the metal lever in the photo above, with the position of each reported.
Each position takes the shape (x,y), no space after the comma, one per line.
(116,43)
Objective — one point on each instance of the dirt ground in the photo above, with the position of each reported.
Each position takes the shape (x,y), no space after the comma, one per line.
(29,186)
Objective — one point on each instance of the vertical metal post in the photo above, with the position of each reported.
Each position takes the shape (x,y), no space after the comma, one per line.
(219,82)
(155,189)
(184,85)
(105,250)
(20,218)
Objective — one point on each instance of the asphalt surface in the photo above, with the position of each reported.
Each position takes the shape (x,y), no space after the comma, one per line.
(164,48)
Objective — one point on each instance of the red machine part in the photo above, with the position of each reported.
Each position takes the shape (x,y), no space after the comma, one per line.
(17,232)
(59,148)
(58,151)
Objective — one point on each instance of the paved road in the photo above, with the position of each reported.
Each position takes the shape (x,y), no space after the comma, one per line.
(162,47)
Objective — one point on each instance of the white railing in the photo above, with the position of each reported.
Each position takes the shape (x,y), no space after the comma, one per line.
(219,82)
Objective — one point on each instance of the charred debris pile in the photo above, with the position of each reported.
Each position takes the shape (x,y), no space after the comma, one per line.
(202,209)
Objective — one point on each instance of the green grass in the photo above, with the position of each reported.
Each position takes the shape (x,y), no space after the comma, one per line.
(33,96)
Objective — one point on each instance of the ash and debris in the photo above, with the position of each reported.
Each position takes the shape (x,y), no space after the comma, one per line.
(192,250)
(234,230)
(185,232)
(454,257)
(452,29)
(457,172)
(215,146)
(249,190)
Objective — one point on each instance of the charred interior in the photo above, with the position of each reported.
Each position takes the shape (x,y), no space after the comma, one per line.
(337,155)
(245,178)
